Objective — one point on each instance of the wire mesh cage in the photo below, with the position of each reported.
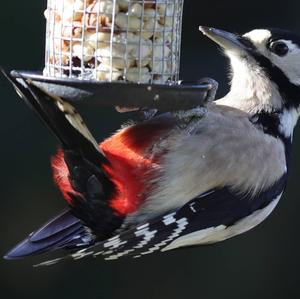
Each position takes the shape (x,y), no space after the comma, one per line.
(110,40)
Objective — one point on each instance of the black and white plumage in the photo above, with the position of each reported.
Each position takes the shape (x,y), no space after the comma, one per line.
(188,178)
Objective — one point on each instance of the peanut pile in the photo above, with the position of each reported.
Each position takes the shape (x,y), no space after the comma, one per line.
(110,40)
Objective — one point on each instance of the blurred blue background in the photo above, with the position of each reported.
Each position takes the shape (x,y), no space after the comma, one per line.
(261,264)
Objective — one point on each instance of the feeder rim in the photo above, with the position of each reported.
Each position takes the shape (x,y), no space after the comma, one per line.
(205,83)
(164,97)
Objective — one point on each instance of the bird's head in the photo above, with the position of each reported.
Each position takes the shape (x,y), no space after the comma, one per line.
(265,67)
(265,64)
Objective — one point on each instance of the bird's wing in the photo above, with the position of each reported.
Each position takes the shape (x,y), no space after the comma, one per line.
(220,208)
(207,215)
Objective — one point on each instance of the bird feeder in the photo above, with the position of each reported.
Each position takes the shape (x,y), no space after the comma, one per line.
(110,51)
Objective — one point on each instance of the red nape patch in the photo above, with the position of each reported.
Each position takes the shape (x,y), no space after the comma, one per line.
(61,176)
(130,169)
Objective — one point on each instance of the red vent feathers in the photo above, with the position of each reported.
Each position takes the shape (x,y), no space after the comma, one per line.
(130,168)
(61,176)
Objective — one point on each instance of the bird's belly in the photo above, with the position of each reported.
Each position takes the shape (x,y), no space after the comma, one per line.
(216,234)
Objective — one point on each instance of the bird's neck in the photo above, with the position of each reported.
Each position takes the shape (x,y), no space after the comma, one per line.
(272,107)
(275,118)
(280,125)
(251,90)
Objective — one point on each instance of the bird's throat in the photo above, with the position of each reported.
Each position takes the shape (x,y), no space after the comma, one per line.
(251,89)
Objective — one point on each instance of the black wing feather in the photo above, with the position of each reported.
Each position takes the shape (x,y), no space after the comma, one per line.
(209,210)
(212,209)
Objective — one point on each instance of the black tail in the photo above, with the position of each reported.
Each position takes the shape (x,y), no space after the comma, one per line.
(63,231)
(59,116)
(93,188)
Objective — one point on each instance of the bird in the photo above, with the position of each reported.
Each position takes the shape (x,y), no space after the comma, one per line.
(177,179)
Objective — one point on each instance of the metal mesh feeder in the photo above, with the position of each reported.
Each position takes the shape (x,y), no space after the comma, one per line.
(110,40)
(108,51)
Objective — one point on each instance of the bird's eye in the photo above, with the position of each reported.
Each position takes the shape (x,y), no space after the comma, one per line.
(279,48)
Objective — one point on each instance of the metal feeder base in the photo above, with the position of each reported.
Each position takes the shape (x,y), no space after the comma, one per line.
(181,96)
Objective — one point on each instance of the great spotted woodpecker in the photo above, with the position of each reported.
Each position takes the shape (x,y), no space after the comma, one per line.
(179,179)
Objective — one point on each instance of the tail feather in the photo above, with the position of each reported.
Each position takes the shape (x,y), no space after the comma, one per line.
(59,116)
(89,188)
(60,223)
(63,231)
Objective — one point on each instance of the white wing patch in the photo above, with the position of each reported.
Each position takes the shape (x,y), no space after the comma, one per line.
(181,226)
(148,236)
(114,243)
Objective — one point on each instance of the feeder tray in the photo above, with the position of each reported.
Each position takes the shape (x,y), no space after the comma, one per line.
(126,53)
(164,97)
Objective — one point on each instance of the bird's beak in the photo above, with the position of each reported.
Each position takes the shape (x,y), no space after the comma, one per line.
(228,41)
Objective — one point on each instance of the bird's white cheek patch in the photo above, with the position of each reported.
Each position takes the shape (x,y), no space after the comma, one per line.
(221,232)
